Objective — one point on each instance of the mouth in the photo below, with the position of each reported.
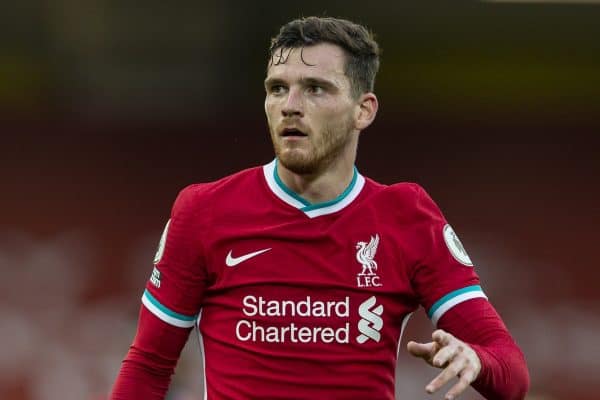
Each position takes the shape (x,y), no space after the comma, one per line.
(293,132)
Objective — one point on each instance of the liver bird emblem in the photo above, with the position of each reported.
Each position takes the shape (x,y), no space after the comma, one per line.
(366,254)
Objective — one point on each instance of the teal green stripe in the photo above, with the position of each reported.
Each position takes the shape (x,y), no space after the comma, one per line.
(166,310)
(451,295)
(337,199)
(307,205)
(287,189)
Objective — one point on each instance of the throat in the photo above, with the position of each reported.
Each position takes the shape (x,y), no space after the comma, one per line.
(317,188)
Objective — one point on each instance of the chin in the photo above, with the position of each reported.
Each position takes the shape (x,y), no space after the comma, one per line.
(298,164)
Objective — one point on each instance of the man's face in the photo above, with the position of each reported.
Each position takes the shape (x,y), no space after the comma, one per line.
(310,110)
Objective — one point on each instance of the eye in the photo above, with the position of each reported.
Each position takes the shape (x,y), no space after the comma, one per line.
(315,89)
(276,89)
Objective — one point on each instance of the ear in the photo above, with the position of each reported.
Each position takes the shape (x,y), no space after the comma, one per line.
(367,109)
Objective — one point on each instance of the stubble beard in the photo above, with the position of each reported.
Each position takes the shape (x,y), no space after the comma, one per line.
(321,154)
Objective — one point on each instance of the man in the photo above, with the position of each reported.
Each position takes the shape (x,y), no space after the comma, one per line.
(301,274)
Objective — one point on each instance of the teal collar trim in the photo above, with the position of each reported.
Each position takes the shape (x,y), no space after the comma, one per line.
(341,197)
(312,210)
(287,189)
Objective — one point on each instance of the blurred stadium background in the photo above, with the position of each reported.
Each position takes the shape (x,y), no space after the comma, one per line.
(108,109)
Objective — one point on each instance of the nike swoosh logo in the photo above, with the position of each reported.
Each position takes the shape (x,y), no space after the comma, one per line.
(232,261)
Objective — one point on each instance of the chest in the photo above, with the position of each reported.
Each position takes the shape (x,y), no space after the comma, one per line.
(355,251)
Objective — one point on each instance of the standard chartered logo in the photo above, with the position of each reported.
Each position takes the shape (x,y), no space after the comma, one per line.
(285,320)
(371,322)
(307,320)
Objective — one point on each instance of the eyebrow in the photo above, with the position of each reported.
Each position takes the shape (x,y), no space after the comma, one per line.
(273,81)
(304,81)
(318,81)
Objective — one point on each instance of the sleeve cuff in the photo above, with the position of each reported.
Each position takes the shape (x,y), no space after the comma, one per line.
(440,307)
(166,315)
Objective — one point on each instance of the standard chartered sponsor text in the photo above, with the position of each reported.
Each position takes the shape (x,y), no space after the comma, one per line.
(294,331)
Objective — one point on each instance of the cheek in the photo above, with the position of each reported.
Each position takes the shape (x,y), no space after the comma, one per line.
(269,109)
(336,115)
(333,107)
(269,112)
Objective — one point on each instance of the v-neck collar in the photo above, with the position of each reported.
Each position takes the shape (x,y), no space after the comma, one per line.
(312,209)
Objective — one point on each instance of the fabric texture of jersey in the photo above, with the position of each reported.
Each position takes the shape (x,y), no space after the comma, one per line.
(296,300)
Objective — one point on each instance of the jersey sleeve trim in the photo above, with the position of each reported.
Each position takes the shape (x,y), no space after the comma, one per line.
(163,313)
(440,307)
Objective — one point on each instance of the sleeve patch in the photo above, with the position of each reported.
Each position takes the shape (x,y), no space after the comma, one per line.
(166,315)
(155,277)
(456,247)
(161,244)
(440,307)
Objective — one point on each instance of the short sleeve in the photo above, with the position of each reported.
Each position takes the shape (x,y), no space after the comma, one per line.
(175,289)
(443,274)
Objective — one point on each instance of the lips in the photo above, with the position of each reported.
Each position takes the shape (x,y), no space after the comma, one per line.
(293,132)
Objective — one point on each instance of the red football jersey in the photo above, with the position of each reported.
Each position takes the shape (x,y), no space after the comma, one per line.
(296,300)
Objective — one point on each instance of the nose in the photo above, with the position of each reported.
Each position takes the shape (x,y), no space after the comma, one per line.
(293,104)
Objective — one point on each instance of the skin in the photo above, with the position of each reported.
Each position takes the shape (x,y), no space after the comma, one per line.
(316,99)
(311,93)
(453,356)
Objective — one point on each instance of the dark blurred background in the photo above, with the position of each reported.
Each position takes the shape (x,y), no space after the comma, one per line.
(108,109)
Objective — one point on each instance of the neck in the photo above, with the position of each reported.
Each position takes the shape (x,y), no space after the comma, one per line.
(321,186)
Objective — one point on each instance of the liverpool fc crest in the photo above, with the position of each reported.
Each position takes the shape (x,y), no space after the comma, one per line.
(365,255)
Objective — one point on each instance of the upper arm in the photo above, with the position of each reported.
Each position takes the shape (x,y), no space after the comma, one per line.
(175,289)
(442,272)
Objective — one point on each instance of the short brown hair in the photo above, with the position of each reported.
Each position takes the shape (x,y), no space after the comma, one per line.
(362,51)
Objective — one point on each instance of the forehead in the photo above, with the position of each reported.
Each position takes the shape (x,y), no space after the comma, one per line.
(323,59)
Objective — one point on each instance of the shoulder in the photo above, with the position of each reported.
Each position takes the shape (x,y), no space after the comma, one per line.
(402,193)
(411,193)
(199,195)
(404,202)
(406,190)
